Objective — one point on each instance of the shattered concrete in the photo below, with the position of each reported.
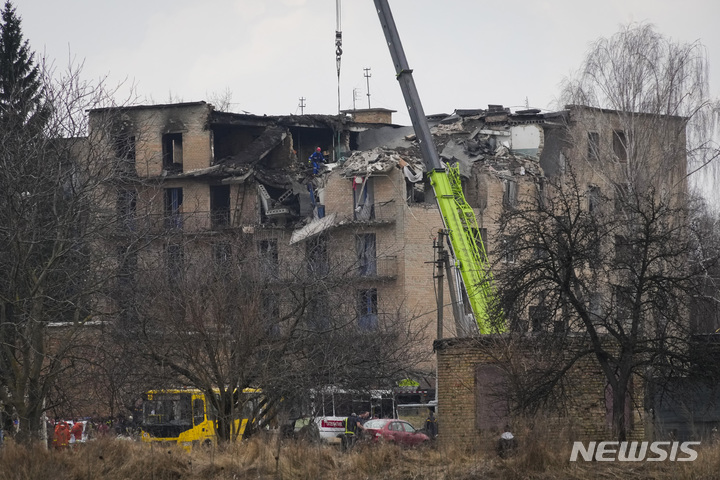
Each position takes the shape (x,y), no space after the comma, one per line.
(377,160)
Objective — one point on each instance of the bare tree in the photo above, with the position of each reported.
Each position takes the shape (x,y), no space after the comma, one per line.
(603,251)
(223,323)
(53,210)
(639,71)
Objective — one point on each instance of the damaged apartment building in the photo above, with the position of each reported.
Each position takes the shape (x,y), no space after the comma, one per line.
(207,173)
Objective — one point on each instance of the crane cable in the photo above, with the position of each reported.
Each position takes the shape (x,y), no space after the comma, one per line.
(338,47)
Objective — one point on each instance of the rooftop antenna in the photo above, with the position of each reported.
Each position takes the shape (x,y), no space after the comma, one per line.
(367,77)
(302,105)
(338,47)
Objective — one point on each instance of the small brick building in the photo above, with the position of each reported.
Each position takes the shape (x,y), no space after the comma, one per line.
(477,377)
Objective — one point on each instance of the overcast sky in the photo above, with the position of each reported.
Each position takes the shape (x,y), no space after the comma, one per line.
(270,53)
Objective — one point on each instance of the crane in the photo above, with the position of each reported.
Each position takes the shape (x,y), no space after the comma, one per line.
(458,217)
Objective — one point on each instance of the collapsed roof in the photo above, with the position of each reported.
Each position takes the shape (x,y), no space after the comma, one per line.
(268,150)
(498,141)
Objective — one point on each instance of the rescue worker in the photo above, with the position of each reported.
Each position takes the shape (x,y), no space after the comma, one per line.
(364,417)
(77,431)
(352,427)
(61,438)
(431,424)
(315,159)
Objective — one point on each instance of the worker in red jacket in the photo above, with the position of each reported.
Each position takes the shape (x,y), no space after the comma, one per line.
(62,435)
(77,431)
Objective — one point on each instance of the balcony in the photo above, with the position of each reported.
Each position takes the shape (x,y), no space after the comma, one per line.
(195,222)
(377,268)
(384,212)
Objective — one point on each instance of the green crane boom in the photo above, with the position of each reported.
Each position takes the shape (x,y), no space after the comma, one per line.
(458,217)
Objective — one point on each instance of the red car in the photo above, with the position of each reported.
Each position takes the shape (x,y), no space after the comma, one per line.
(392,430)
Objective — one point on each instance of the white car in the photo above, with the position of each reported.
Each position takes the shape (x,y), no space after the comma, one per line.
(325,429)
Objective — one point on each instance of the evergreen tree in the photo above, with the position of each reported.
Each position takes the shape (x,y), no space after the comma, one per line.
(21,99)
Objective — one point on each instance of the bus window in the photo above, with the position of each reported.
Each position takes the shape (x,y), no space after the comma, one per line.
(167,409)
(198,411)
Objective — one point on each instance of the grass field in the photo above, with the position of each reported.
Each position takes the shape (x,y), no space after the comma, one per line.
(264,458)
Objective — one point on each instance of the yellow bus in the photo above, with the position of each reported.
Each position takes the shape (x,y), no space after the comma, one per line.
(184,416)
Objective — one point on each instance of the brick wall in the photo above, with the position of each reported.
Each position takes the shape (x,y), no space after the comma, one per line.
(151,123)
(373,115)
(458,390)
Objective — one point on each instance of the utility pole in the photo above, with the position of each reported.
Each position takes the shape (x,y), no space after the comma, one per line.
(367,77)
(302,105)
(440,263)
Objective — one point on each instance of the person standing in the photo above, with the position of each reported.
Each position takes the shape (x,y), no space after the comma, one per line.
(316,159)
(352,426)
(62,435)
(77,431)
(431,424)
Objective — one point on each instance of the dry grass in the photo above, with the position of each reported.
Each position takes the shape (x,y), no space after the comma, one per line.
(259,459)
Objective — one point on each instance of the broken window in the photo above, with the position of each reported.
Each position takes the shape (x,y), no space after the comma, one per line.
(173,208)
(174,262)
(316,253)
(172,151)
(593,145)
(268,253)
(539,317)
(271,313)
(367,309)
(510,193)
(127,208)
(419,192)
(125,146)
(620,146)
(220,206)
(365,247)
(623,250)
(593,196)
(318,314)
(508,251)
(621,197)
(363,199)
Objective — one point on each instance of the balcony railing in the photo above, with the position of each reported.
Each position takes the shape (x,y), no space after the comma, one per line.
(380,267)
(197,222)
(375,212)
(188,222)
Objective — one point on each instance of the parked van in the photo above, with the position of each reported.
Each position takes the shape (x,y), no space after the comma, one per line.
(324,429)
